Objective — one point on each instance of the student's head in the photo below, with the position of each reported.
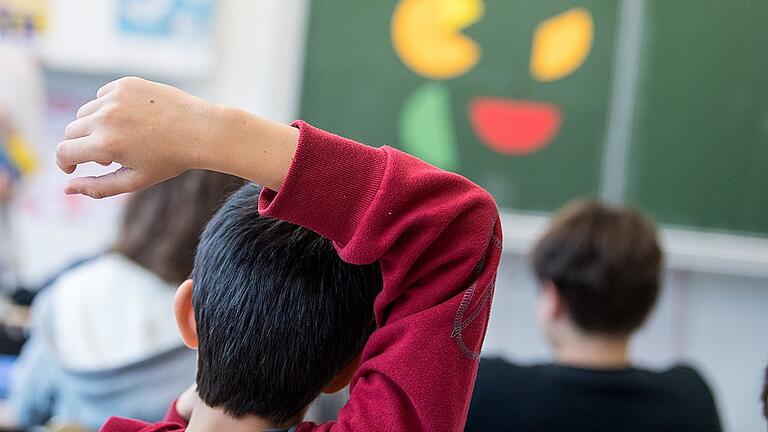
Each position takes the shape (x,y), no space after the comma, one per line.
(162,224)
(599,268)
(276,315)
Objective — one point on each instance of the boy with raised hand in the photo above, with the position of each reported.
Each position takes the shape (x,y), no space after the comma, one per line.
(435,235)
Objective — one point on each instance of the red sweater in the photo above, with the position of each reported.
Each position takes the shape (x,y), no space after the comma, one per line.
(437,237)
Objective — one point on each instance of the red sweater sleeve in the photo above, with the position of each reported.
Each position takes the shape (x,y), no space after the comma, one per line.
(117,424)
(437,238)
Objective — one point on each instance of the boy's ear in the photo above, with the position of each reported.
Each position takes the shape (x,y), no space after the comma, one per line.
(553,303)
(185,314)
(344,377)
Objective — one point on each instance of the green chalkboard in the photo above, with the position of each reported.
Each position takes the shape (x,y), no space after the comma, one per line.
(355,84)
(474,86)
(699,154)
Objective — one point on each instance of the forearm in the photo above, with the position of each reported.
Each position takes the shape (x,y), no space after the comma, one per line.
(248,146)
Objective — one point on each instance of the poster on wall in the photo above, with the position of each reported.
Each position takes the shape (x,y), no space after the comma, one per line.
(23,19)
(40,208)
(168,19)
(42,230)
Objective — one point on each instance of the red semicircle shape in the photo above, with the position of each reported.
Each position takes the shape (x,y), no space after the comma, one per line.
(514,127)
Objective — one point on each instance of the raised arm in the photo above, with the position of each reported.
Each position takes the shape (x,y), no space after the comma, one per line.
(438,240)
(436,235)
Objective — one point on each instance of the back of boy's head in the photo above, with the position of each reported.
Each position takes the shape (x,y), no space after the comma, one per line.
(605,264)
(279,314)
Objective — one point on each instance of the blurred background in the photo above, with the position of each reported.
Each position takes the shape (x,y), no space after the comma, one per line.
(651,103)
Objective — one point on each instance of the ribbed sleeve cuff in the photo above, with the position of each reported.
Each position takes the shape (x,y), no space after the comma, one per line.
(330,185)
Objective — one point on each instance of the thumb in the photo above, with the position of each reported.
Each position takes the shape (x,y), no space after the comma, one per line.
(121,181)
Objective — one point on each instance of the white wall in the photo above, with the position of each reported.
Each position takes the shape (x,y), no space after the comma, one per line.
(260,50)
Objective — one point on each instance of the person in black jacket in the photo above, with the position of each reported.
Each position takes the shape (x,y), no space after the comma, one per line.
(599,271)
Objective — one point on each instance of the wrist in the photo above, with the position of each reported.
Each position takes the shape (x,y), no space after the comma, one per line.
(231,142)
(216,122)
(248,146)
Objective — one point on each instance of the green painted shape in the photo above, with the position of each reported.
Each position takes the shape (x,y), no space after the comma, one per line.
(426,126)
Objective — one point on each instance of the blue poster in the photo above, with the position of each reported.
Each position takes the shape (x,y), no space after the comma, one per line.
(182,19)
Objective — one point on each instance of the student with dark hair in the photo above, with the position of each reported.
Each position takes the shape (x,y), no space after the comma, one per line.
(103,340)
(599,269)
(272,301)
(434,235)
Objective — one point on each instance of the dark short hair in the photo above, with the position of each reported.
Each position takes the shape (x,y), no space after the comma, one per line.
(605,263)
(162,224)
(279,314)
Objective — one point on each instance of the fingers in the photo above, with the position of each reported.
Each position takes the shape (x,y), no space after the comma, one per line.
(73,152)
(79,128)
(109,87)
(90,108)
(114,183)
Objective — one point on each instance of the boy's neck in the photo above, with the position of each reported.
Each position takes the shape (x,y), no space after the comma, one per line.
(207,419)
(593,351)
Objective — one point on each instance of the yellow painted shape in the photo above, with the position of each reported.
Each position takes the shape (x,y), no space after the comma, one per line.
(20,154)
(426,35)
(561,44)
